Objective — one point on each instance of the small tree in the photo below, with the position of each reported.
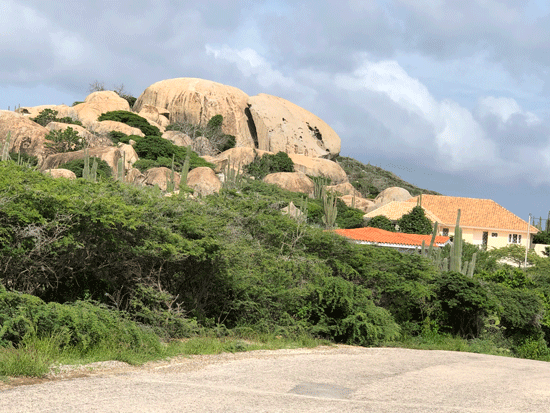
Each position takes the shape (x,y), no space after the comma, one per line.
(382,222)
(65,141)
(415,222)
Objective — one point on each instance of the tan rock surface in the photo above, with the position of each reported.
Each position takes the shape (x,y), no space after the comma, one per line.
(204,181)
(345,189)
(110,154)
(129,154)
(157,116)
(160,176)
(61,173)
(26,136)
(106,126)
(319,167)
(177,138)
(196,101)
(238,157)
(134,176)
(360,203)
(393,193)
(62,111)
(98,103)
(283,126)
(90,138)
(292,211)
(291,181)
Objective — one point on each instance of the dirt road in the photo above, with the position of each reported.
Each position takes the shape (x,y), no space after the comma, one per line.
(325,379)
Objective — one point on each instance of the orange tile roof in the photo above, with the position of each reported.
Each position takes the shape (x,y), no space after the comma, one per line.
(474,213)
(380,236)
(394,210)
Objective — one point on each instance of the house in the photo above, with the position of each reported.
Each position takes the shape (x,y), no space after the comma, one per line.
(483,221)
(400,241)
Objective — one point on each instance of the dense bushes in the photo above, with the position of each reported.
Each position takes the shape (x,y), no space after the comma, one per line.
(49,115)
(131,119)
(65,140)
(232,261)
(270,163)
(77,166)
(381,222)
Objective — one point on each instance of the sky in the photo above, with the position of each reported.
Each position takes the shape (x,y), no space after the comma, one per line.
(450,95)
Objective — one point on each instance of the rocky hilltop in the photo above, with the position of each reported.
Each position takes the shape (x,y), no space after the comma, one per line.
(261,124)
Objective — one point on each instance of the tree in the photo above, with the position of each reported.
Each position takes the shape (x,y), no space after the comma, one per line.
(382,222)
(514,253)
(415,222)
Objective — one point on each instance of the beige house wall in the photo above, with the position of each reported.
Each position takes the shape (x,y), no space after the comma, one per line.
(475,236)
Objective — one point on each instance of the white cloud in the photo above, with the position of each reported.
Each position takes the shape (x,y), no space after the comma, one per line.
(504,108)
(251,64)
(460,140)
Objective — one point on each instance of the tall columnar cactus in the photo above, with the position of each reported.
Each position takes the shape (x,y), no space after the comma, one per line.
(121,169)
(456,248)
(171,179)
(6,148)
(86,169)
(185,167)
(93,171)
(329,209)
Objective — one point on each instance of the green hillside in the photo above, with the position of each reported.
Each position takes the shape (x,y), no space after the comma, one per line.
(370,180)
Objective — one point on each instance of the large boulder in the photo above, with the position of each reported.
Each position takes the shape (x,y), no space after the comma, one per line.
(129,154)
(283,126)
(98,103)
(319,167)
(345,189)
(60,173)
(91,139)
(160,176)
(157,116)
(357,202)
(291,181)
(204,181)
(106,126)
(26,136)
(196,101)
(62,111)
(177,138)
(390,194)
(109,154)
(236,157)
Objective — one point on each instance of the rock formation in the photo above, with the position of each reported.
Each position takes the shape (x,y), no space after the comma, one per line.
(196,101)
(26,136)
(357,202)
(106,126)
(204,181)
(156,116)
(109,154)
(159,176)
(291,181)
(88,137)
(283,126)
(319,167)
(98,103)
(61,173)
(345,189)
(62,111)
(177,138)
(393,193)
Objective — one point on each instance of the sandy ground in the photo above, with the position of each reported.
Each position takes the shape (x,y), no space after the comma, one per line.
(324,379)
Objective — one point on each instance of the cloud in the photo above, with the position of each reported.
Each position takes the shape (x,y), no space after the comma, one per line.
(504,108)
(460,140)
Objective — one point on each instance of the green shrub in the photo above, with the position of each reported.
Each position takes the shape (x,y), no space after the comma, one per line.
(382,222)
(117,137)
(155,151)
(49,115)
(131,119)
(24,158)
(66,140)
(415,222)
(77,166)
(268,164)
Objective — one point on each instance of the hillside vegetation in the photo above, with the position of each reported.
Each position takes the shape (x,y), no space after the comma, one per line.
(87,266)
(370,180)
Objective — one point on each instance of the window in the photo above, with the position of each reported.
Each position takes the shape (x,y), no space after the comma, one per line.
(445,232)
(494,234)
(514,238)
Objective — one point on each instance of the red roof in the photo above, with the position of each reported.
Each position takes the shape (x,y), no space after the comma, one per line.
(380,236)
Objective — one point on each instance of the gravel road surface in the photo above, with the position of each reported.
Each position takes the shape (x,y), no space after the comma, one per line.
(324,379)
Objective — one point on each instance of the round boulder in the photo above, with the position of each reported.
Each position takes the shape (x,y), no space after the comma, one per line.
(291,181)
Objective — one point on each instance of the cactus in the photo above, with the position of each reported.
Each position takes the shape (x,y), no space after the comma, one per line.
(6,148)
(319,185)
(93,171)
(456,247)
(86,169)
(170,179)
(233,176)
(329,209)
(185,167)
(121,169)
